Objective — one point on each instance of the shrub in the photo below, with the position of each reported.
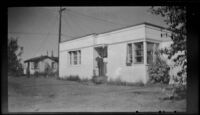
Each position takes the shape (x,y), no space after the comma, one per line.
(118,81)
(73,78)
(36,73)
(99,79)
(159,71)
(180,91)
(175,92)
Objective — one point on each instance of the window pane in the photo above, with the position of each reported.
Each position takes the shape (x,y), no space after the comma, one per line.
(139,59)
(149,57)
(129,54)
(150,52)
(139,46)
(79,57)
(139,52)
(150,46)
(75,57)
(70,58)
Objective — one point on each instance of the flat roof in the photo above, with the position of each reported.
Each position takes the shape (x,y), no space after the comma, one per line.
(146,23)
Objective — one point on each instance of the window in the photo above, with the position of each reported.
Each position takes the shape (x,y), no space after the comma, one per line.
(32,65)
(53,65)
(151,48)
(150,52)
(129,54)
(135,53)
(35,65)
(70,57)
(139,53)
(79,53)
(75,57)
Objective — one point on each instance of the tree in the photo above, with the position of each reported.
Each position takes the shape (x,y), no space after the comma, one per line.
(175,18)
(14,61)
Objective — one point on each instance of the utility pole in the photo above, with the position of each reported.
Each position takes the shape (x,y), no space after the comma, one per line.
(59,35)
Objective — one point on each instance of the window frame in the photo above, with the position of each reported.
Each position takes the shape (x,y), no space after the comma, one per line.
(74,57)
(53,65)
(36,65)
(141,49)
(154,49)
(129,57)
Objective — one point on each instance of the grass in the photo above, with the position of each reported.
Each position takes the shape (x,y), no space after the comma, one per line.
(47,94)
(101,80)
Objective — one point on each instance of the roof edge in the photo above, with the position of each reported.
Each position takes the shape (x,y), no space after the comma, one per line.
(145,23)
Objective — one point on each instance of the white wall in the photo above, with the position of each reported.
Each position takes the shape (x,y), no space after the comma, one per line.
(117,68)
(32,71)
(85,69)
(77,43)
(135,33)
(154,33)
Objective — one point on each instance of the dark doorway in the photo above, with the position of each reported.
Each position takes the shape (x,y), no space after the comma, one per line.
(101,55)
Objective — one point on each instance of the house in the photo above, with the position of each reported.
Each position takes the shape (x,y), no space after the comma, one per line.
(120,54)
(40,64)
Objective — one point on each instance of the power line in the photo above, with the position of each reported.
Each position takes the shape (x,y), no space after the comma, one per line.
(42,45)
(110,22)
(68,24)
(77,22)
(32,33)
(43,34)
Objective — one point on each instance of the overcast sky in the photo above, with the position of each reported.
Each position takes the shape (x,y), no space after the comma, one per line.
(37,27)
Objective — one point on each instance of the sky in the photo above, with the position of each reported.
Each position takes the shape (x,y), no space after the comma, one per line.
(36,28)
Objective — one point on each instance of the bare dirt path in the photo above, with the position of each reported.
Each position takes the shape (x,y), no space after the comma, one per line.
(52,95)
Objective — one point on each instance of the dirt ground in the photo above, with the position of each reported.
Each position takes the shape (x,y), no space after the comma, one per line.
(52,95)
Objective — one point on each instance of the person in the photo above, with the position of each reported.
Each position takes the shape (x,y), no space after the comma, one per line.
(100,65)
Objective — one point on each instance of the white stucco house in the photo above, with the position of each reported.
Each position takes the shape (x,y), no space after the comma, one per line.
(125,53)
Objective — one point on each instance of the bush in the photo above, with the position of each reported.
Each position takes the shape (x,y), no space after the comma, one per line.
(37,74)
(181,91)
(118,81)
(159,71)
(99,79)
(73,78)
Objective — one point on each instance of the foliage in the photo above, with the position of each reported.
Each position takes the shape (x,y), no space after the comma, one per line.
(159,71)
(14,52)
(118,81)
(99,79)
(73,78)
(176,20)
(48,70)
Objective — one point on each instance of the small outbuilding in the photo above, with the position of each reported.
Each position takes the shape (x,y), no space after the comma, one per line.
(41,65)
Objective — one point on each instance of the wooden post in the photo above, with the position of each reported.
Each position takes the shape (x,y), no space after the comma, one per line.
(59,35)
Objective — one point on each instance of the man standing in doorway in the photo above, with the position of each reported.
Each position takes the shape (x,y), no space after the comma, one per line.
(100,65)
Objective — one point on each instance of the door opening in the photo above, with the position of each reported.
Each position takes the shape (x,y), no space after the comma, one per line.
(100,62)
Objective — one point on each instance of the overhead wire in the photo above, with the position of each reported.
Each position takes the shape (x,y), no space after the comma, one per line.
(32,33)
(66,22)
(104,20)
(78,26)
(43,43)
